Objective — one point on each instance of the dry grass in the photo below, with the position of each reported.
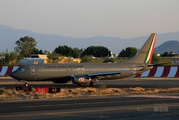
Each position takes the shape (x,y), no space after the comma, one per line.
(12,94)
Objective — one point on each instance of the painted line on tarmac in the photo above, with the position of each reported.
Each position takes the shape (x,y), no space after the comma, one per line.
(154,96)
(76,111)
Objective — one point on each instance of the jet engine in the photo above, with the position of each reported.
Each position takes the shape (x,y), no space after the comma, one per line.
(80,79)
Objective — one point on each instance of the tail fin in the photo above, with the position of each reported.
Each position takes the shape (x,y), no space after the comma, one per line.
(144,55)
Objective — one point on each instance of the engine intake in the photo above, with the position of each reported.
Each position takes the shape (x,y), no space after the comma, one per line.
(80,79)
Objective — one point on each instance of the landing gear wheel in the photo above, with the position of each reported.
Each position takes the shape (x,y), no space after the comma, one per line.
(26,84)
(92,84)
(79,84)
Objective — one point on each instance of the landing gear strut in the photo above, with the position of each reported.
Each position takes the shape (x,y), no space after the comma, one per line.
(79,84)
(25,84)
(92,84)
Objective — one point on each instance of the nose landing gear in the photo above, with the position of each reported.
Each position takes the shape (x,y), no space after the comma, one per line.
(26,84)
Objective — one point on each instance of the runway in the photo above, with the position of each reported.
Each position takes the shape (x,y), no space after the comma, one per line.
(93,108)
(122,83)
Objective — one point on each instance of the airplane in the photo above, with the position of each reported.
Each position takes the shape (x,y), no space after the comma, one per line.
(89,73)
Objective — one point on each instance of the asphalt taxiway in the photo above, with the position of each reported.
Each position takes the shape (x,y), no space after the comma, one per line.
(123,107)
(93,108)
(122,83)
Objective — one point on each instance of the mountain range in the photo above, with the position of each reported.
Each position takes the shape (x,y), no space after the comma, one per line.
(168,46)
(9,35)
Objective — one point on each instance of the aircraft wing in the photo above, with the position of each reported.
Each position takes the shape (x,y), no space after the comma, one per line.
(103,74)
(149,65)
(108,74)
(158,64)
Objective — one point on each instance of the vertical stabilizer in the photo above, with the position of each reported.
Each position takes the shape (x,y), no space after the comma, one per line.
(144,55)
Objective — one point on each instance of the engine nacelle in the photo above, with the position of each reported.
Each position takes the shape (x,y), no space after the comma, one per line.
(80,79)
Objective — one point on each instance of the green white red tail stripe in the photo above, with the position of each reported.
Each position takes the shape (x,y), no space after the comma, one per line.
(150,51)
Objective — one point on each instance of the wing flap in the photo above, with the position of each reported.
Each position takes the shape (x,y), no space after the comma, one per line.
(102,74)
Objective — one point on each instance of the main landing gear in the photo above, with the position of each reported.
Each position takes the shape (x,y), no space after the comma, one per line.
(93,83)
(79,85)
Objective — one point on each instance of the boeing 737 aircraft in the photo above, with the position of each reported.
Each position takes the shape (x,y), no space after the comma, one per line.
(89,73)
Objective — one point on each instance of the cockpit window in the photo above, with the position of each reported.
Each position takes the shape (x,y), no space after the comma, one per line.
(21,69)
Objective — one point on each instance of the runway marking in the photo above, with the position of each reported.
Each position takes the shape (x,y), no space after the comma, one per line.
(46,105)
(154,96)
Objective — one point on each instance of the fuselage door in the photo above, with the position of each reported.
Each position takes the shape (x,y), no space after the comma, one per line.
(32,68)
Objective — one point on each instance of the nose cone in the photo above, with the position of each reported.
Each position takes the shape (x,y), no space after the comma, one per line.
(14,75)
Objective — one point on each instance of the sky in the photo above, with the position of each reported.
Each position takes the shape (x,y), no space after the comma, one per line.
(88,18)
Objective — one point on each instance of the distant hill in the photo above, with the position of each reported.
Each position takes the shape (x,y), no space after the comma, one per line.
(8,37)
(168,46)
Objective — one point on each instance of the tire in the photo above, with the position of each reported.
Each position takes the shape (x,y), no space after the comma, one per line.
(26,84)
(93,84)
(79,84)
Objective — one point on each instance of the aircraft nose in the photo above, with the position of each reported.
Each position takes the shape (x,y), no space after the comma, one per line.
(14,75)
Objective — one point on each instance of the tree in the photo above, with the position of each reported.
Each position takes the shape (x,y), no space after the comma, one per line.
(167,54)
(53,57)
(36,51)
(96,51)
(108,60)
(64,50)
(128,52)
(12,58)
(155,59)
(77,52)
(86,59)
(2,57)
(68,51)
(25,45)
